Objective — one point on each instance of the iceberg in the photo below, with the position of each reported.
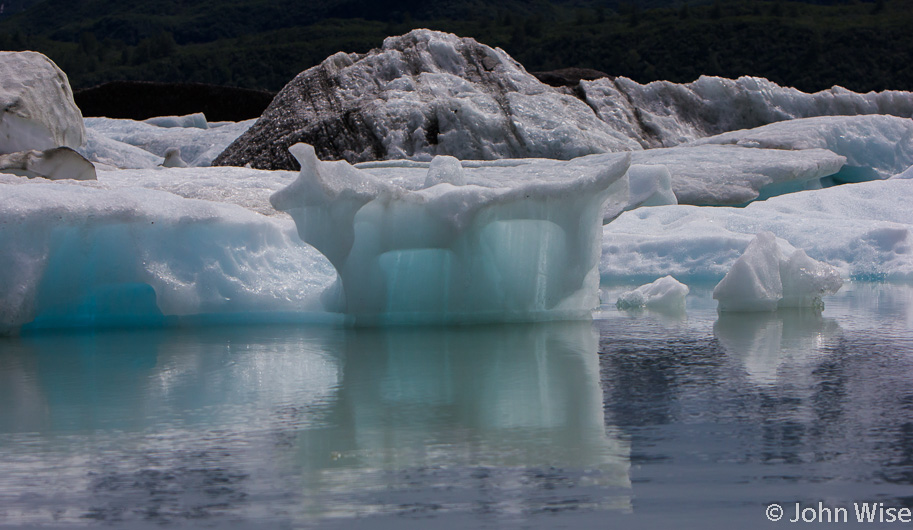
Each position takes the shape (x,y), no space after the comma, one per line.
(510,242)
(37,110)
(727,175)
(98,253)
(665,294)
(764,279)
(864,230)
(114,142)
(875,147)
(423,94)
(666,114)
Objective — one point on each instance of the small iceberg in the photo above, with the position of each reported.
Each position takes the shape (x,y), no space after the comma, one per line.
(665,294)
(764,279)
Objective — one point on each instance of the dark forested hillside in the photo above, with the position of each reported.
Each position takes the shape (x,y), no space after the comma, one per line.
(264,43)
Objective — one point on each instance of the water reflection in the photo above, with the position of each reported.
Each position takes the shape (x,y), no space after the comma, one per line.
(298,424)
(470,410)
(765,341)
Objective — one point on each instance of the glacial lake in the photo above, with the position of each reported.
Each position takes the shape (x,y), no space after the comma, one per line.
(634,420)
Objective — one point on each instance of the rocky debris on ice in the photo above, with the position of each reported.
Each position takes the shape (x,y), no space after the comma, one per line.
(428,93)
(875,147)
(53,164)
(36,105)
(500,242)
(664,294)
(423,94)
(764,279)
(665,114)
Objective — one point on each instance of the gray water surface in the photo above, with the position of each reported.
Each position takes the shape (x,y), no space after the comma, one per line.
(636,420)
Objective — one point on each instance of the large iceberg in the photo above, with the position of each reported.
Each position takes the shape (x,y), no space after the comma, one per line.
(865,230)
(665,114)
(37,110)
(110,253)
(495,243)
(423,94)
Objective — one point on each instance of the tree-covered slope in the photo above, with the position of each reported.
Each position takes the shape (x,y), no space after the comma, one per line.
(264,43)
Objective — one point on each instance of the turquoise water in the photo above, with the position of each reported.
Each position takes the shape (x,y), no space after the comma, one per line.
(635,420)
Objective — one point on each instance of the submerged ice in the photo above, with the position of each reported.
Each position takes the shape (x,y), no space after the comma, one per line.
(492,243)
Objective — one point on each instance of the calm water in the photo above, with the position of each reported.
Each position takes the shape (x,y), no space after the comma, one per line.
(635,421)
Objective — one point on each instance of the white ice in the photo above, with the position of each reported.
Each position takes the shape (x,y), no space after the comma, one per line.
(764,278)
(865,230)
(875,147)
(54,164)
(641,185)
(494,243)
(197,120)
(114,142)
(665,114)
(37,110)
(908,174)
(664,294)
(730,175)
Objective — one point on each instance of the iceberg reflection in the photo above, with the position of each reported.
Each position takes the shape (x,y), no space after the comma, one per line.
(298,424)
(494,414)
(766,341)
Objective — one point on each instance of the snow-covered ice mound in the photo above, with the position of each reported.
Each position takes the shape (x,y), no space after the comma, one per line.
(864,230)
(495,243)
(665,114)
(106,252)
(142,144)
(764,279)
(875,147)
(37,110)
(423,94)
(665,294)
